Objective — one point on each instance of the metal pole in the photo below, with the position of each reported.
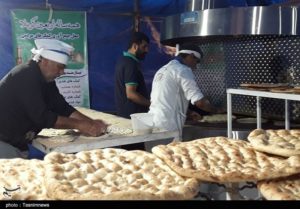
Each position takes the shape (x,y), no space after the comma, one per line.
(287,115)
(136,22)
(229,116)
(258,113)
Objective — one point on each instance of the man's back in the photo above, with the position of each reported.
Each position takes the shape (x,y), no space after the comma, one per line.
(128,71)
(172,88)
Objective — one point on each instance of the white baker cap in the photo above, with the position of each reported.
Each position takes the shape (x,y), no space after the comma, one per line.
(52,49)
(185,51)
(190,49)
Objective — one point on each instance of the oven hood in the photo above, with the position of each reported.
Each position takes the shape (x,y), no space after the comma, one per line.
(233,21)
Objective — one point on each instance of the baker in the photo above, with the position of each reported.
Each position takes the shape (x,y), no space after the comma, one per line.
(30,100)
(174,86)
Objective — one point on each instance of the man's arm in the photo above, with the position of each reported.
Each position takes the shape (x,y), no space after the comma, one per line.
(78,115)
(205,105)
(193,116)
(84,124)
(136,97)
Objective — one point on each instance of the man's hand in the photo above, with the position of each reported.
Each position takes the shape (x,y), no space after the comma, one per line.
(103,125)
(221,110)
(84,124)
(93,128)
(194,116)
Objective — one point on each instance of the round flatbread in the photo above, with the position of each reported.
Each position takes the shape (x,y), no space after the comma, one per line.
(216,118)
(263,85)
(250,120)
(22,179)
(256,89)
(287,188)
(297,87)
(289,90)
(282,123)
(114,174)
(278,142)
(219,159)
(116,125)
(296,91)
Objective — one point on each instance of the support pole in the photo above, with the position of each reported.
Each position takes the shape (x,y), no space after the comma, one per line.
(136,20)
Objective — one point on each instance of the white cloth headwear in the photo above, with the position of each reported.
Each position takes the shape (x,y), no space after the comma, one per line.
(52,49)
(185,51)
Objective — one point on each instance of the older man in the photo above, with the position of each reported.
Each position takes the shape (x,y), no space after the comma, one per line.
(30,100)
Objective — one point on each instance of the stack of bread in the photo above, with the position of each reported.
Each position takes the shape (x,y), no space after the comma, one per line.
(283,143)
(103,174)
(173,171)
(272,87)
(272,158)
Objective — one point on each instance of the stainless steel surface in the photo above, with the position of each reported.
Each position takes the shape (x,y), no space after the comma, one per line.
(241,44)
(258,112)
(287,114)
(229,115)
(230,61)
(194,5)
(212,85)
(231,21)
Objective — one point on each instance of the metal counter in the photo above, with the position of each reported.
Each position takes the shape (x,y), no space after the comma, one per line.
(259,94)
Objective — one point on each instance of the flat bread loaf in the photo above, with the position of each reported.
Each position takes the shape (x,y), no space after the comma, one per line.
(114,174)
(22,179)
(284,90)
(264,85)
(287,188)
(116,125)
(216,118)
(219,159)
(278,142)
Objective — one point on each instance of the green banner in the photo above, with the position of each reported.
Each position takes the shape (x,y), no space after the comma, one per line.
(66,26)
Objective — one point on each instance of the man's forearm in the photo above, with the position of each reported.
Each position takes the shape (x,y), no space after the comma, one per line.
(87,126)
(205,105)
(66,123)
(139,99)
(79,116)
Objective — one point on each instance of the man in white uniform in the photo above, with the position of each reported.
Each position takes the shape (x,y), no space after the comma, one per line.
(173,87)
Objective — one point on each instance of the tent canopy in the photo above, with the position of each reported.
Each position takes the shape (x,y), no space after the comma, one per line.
(147,7)
(109,24)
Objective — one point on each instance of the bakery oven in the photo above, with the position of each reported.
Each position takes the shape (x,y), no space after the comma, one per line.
(241,45)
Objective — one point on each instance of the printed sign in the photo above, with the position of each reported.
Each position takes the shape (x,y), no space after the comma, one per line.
(66,26)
